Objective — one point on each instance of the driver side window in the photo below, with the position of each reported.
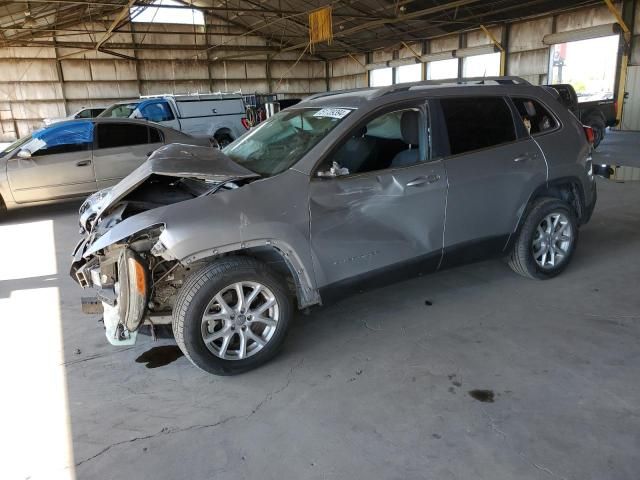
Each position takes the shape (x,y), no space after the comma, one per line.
(390,140)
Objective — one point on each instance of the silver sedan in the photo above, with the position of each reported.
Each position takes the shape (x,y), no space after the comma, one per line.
(75,158)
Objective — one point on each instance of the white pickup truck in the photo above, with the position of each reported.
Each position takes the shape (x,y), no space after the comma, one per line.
(220,116)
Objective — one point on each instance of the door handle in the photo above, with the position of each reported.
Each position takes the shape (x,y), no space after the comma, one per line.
(149,153)
(522,158)
(416,182)
(83,163)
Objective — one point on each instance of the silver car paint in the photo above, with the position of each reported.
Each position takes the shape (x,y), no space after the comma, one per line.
(333,228)
(51,178)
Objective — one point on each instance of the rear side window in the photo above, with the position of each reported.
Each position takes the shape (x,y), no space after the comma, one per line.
(535,117)
(121,135)
(476,123)
(84,114)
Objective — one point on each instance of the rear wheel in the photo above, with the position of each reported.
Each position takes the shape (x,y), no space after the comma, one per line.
(232,316)
(546,241)
(223,139)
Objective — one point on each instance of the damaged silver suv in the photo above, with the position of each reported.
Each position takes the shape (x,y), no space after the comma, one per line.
(346,189)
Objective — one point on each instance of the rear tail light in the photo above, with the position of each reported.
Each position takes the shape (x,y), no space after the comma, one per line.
(591,137)
(245,123)
(615,107)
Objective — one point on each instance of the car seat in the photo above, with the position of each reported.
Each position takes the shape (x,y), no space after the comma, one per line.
(410,130)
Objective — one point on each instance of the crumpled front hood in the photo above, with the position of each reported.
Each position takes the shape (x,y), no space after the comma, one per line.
(177,160)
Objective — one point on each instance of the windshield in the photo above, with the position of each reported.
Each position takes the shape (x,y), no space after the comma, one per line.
(285,138)
(120,110)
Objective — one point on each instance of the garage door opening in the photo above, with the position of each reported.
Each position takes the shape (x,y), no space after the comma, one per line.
(486,65)
(442,69)
(381,77)
(588,65)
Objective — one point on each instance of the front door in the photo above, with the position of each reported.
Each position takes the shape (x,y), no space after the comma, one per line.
(56,163)
(377,205)
(492,170)
(121,148)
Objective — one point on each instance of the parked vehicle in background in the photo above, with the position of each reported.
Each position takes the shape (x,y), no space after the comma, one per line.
(219,116)
(344,190)
(260,106)
(74,158)
(597,113)
(85,112)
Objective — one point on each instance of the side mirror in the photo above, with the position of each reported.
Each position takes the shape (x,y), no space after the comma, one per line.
(24,153)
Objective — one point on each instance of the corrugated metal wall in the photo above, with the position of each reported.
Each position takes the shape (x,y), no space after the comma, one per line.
(527,56)
(41,82)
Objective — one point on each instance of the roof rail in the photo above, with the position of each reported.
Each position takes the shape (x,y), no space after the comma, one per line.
(380,91)
(506,80)
(191,95)
(335,92)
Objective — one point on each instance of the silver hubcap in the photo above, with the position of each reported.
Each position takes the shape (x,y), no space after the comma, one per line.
(552,240)
(240,320)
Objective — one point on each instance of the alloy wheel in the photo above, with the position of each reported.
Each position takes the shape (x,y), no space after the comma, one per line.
(240,320)
(552,240)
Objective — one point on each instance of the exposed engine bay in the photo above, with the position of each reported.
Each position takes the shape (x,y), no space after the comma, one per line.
(135,277)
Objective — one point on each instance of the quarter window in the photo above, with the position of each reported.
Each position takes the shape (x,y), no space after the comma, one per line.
(535,117)
(476,123)
(121,135)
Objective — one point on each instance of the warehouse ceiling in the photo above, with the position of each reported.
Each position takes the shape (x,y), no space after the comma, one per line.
(358,25)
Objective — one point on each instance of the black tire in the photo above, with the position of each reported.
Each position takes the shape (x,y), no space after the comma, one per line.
(521,259)
(599,129)
(199,290)
(3,208)
(223,139)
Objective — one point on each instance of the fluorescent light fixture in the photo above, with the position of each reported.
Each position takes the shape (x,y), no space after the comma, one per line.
(401,62)
(436,57)
(471,51)
(375,66)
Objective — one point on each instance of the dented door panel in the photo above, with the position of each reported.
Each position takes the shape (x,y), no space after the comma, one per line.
(366,222)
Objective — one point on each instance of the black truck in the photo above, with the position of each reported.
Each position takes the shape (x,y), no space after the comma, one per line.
(597,114)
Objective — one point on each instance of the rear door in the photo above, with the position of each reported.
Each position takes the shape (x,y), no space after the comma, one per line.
(120,148)
(60,164)
(492,167)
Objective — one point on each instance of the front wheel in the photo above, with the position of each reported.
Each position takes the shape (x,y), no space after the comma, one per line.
(232,316)
(546,241)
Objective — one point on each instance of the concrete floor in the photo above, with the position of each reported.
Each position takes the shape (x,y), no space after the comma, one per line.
(375,387)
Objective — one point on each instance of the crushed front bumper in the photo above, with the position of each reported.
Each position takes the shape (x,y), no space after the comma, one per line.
(121,280)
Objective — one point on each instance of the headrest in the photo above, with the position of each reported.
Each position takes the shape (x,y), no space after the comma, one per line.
(409,126)
(529,108)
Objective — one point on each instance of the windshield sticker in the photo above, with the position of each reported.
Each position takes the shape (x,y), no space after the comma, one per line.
(332,112)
